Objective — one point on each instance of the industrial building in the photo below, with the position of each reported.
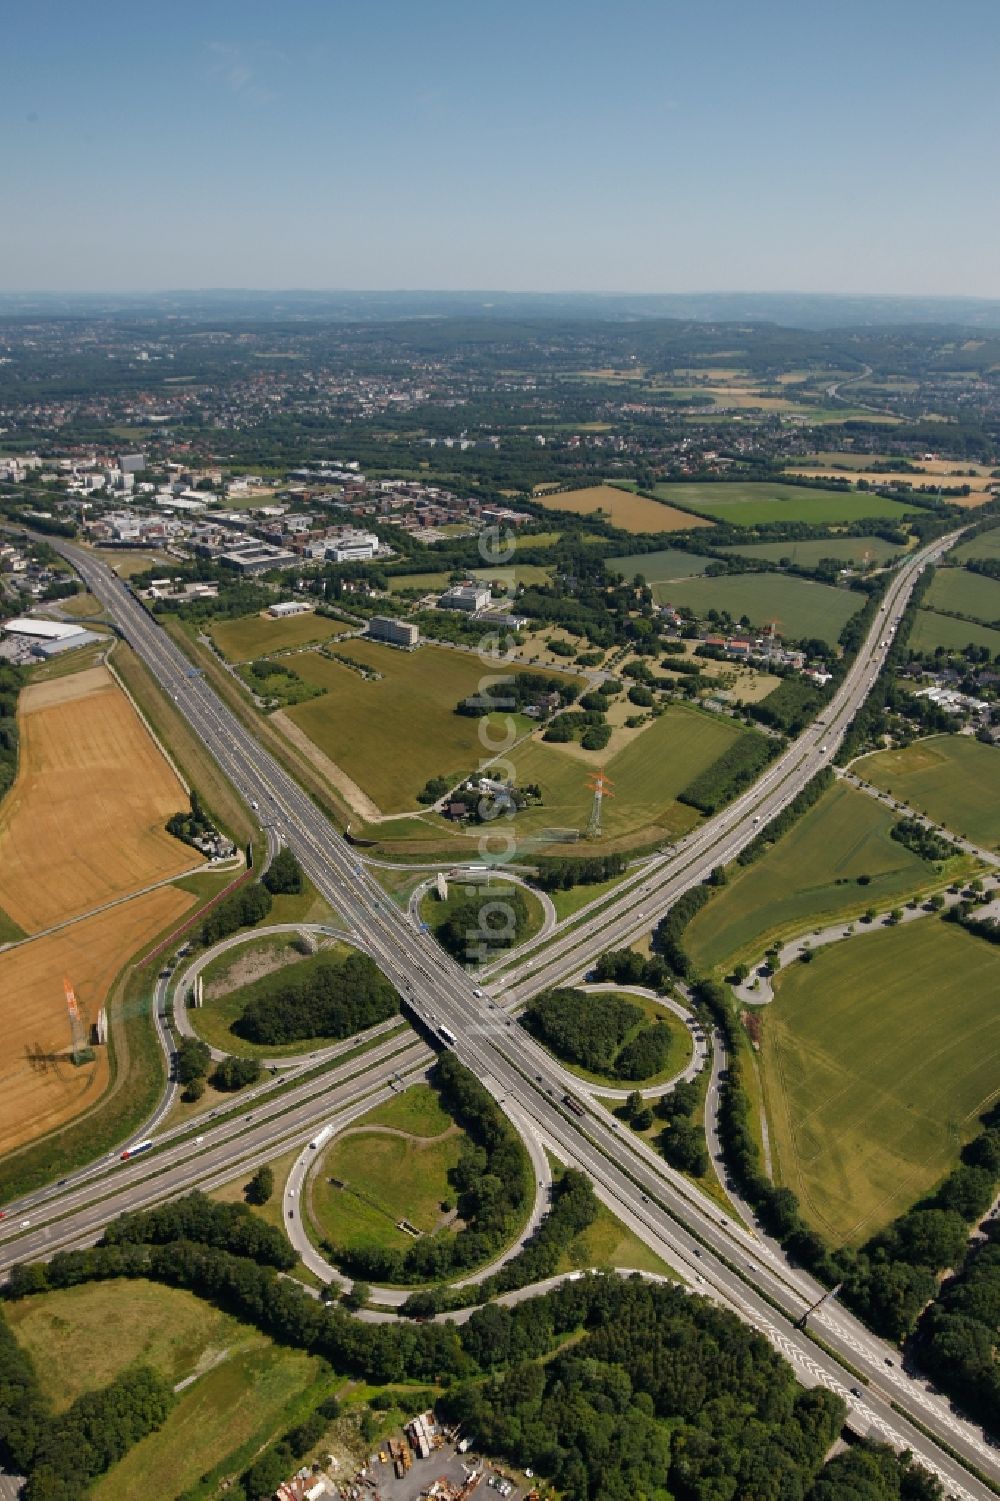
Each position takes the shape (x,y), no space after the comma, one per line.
(468,596)
(253,558)
(352,547)
(47,638)
(288,607)
(395,632)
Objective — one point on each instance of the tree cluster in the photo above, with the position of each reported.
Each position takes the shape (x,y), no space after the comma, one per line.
(511,692)
(329,997)
(922,840)
(284,876)
(483,923)
(599,1032)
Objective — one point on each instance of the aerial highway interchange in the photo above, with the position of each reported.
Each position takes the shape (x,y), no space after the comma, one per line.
(711,1250)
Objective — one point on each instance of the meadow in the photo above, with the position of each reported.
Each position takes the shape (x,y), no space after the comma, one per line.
(659,567)
(647,775)
(877,1059)
(83,606)
(806,554)
(986,545)
(40,1087)
(391,736)
(931,630)
(394,1164)
(249,636)
(84,822)
(223,1418)
(755,502)
(66,1334)
(952,778)
(127,564)
(800,607)
(623,508)
(808,880)
(956,590)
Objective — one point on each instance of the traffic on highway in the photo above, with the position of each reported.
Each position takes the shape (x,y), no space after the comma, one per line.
(710,1249)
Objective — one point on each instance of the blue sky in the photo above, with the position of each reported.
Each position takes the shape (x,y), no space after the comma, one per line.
(643,146)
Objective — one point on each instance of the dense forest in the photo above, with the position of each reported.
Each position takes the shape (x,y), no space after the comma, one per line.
(607,1388)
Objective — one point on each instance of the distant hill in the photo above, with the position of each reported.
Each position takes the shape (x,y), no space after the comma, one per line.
(804,310)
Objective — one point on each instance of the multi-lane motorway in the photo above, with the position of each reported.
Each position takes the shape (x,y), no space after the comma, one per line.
(738,1267)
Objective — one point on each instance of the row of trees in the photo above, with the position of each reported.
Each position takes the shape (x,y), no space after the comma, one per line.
(736,769)
(561,874)
(11,681)
(574,1206)
(248,905)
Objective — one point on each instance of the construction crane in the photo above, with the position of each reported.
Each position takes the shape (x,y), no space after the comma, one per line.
(82,1052)
(600,785)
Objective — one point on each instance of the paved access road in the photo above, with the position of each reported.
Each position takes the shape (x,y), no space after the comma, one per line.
(741,1271)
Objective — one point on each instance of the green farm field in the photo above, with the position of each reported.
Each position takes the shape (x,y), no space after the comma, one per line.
(808,553)
(800,606)
(258,635)
(394,1164)
(659,567)
(986,545)
(808,880)
(964,593)
(390,736)
(647,774)
(755,502)
(952,778)
(878,1057)
(931,630)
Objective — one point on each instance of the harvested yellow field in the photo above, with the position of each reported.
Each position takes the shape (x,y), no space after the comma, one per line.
(937,472)
(633,513)
(40,1087)
(84,822)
